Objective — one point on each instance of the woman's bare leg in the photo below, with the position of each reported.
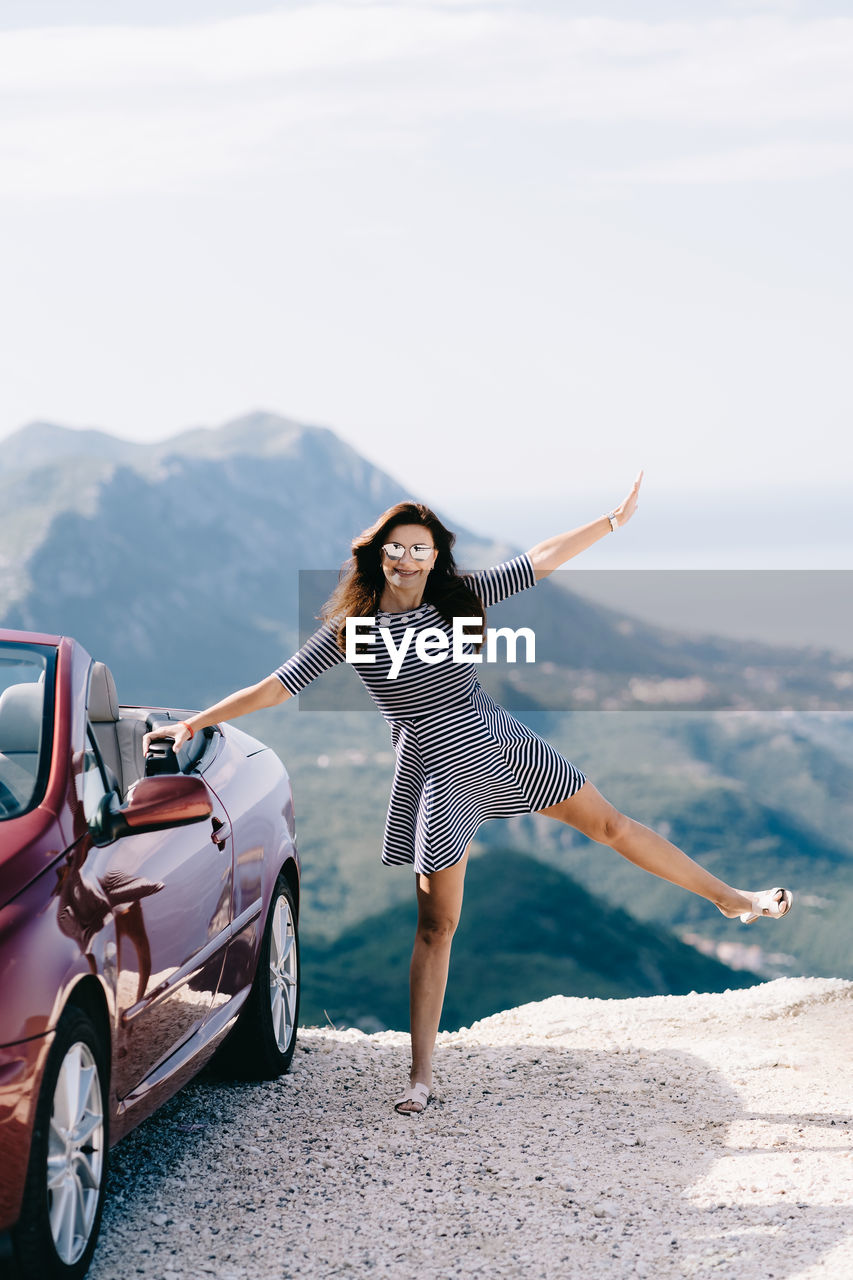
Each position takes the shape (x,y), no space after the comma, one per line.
(590,813)
(439,907)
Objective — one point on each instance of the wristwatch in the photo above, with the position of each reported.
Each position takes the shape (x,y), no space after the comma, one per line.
(611,516)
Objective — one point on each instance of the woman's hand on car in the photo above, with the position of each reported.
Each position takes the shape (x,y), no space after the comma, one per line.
(179,732)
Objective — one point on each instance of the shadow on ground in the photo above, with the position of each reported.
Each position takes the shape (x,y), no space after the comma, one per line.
(541,1161)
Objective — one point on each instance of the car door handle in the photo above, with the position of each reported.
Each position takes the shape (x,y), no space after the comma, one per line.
(220,833)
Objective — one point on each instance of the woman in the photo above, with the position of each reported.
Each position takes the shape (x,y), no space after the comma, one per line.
(460,757)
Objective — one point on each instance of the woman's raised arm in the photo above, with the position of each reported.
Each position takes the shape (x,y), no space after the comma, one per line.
(266,693)
(550,554)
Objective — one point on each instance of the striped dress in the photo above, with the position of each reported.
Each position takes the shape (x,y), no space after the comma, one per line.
(461,758)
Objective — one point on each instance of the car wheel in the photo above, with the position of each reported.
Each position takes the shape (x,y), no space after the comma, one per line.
(66,1180)
(263,1040)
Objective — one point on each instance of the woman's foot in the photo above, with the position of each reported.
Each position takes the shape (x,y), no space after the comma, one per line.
(749,906)
(415,1098)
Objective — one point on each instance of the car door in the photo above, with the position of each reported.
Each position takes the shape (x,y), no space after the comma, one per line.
(169,895)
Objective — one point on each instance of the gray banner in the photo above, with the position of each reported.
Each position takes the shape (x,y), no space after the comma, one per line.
(622,640)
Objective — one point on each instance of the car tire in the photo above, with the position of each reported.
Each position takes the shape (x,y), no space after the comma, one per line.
(263,1041)
(57,1231)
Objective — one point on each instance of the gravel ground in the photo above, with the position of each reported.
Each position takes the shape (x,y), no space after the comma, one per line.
(671,1136)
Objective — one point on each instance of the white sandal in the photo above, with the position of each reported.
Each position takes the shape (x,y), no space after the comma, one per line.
(765,904)
(415,1093)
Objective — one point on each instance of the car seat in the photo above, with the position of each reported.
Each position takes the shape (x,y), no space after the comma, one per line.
(21,707)
(119,740)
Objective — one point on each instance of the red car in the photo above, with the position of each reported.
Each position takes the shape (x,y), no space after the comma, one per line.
(148,919)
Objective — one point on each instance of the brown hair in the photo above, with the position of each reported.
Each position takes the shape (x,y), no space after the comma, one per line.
(361,580)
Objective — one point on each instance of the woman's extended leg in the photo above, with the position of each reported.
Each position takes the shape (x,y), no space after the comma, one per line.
(439,907)
(597,818)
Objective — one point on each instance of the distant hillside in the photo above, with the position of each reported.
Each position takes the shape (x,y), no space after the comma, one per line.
(771,808)
(734,818)
(527,931)
(177,563)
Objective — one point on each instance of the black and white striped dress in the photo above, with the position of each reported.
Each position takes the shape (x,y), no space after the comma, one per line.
(461,757)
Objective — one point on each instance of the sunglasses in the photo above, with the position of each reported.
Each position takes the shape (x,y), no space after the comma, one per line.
(396,550)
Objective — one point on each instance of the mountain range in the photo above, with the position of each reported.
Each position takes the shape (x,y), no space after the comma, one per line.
(178,563)
(526,932)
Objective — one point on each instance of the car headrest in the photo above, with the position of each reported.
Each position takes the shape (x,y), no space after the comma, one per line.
(103,699)
(21,708)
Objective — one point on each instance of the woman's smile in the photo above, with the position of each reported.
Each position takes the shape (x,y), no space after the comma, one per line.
(404,571)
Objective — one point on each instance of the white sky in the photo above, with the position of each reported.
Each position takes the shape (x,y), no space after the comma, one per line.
(499,246)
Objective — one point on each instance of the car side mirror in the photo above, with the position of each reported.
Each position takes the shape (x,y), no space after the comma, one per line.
(152,804)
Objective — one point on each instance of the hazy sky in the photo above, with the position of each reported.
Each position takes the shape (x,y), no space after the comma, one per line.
(500,246)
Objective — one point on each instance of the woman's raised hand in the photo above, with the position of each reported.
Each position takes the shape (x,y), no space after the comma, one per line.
(628,505)
(179,732)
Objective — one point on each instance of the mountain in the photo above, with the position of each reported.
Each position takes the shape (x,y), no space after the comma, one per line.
(730,816)
(42,444)
(771,808)
(526,932)
(177,563)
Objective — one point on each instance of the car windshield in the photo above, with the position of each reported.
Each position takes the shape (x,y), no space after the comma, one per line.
(26,725)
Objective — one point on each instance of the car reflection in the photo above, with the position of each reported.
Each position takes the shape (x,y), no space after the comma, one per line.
(84,907)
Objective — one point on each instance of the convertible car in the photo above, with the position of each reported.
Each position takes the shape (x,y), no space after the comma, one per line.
(148,920)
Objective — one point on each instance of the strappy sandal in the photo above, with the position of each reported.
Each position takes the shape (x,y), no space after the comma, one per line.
(418,1093)
(765,904)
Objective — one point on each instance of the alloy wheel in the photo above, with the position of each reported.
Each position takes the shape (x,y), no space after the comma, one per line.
(283,973)
(75,1155)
